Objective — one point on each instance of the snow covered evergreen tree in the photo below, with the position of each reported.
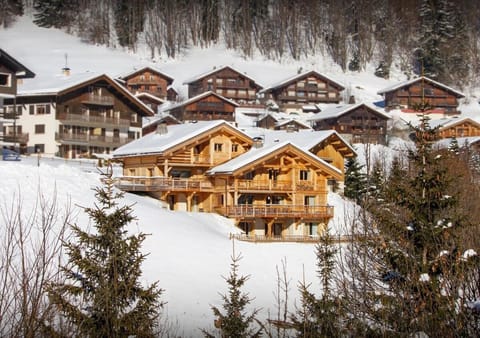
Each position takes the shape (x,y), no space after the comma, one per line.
(55,13)
(320,317)
(235,321)
(10,9)
(103,295)
(355,180)
(421,262)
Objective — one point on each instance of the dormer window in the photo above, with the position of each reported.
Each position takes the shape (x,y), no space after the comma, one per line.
(218,147)
(5,80)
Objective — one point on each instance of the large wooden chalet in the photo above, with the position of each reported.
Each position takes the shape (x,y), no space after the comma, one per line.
(84,114)
(358,123)
(420,92)
(149,80)
(281,121)
(227,82)
(11,72)
(275,187)
(303,90)
(204,107)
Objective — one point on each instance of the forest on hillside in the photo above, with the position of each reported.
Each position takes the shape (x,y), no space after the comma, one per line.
(440,37)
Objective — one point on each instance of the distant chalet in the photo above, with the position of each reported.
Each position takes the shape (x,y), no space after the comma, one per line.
(227,82)
(410,95)
(304,89)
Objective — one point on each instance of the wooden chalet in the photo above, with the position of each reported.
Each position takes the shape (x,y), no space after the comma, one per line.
(412,94)
(158,122)
(85,114)
(281,121)
(148,80)
(227,82)
(150,101)
(11,73)
(204,107)
(456,127)
(358,123)
(301,90)
(271,186)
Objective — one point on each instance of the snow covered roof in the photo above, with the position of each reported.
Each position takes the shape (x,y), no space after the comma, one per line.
(409,82)
(60,84)
(21,71)
(215,70)
(287,121)
(150,96)
(298,77)
(199,97)
(155,143)
(266,150)
(157,118)
(445,123)
(462,141)
(337,111)
(141,69)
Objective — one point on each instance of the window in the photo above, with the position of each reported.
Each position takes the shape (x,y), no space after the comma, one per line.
(133,118)
(39,129)
(42,109)
(39,148)
(218,147)
(234,148)
(304,175)
(152,78)
(5,80)
(250,175)
(31,109)
(273,174)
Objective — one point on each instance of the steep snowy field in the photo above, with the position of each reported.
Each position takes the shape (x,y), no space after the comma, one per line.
(188,252)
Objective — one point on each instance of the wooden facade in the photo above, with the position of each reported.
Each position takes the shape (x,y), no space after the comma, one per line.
(95,116)
(205,107)
(302,90)
(149,80)
(152,126)
(358,123)
(226,82)
(11,71)
(465,127)
(412,94)
(271,190)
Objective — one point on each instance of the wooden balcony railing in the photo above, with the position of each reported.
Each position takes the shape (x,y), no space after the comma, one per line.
(277,210)
(271,185)
(251,237)
(10,137)
(99,100)
(94,120)
(141,183)
(100,140)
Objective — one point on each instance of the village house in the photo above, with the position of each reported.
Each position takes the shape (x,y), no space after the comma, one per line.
(150,124)
(422,94)
(204,107)
(151,81)
(456,127)
(77,116)
(357,123)
(302,91)
(282,121)
(227,82)
(12,72)
(274,186)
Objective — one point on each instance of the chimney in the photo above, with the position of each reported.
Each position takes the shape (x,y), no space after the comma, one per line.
(66,69)
(257,142)
(351,100)
(162,128)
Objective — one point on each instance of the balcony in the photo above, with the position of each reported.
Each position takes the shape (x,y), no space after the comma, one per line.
(93,140)
(141,183)
(277,211)
(89,120)
(271,185)
(98,100)
(292,238)
(10,137)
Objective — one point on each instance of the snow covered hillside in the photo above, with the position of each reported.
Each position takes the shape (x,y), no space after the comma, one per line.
(188,252)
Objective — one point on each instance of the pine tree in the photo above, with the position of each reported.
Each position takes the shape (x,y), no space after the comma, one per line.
(55,13)
(355,180)
(10,9)
(102,295)
(235,321)
(129,21)
(419,250)
(320,317)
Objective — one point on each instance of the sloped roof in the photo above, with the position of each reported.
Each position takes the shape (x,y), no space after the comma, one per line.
(213,71)
(447,123)
(150,96)
(62,84)
(155,143)
(135,71)
(424,78)
(462,141)
(199,97)
(287,121)
(10,62)
(337,111)
(297,77)
(266,151)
